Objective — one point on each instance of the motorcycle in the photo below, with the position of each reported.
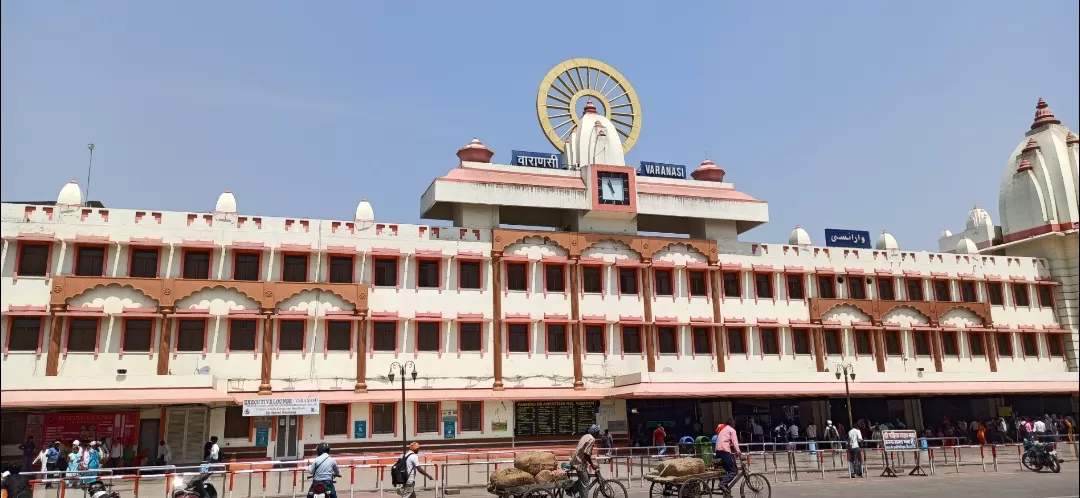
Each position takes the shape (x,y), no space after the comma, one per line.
(196,487)
(98,489)
(1038,455)
(322,490)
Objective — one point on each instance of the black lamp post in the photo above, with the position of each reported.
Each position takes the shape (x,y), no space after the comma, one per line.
(846,370)
(400,370)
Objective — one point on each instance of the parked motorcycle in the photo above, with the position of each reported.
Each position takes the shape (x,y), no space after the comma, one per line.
(322,490)
(98,489)
(196,487)
(1039,455)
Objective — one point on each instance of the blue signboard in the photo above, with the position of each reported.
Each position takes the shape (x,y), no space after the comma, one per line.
(855,239)
(661,170)
(449,428)
(262,437)
(360,429)
(536,159)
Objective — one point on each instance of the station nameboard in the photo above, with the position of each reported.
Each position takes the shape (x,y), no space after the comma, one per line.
(661,170)
(536,159)
(855,239)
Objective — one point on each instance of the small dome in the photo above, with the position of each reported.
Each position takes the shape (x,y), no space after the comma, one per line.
(226,202)
(1072,139)
(475,152)
(364,213)
(966,246)
(886,242)
(799,237)
(708,171)
(946,233)
(978,217)
(1043,115)
(70,195)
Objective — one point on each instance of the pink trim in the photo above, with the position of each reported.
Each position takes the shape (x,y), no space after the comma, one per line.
(430,253)
(595,319)
(631,319)
(343,250)
(37,237)
(251,246)
(694,191)
(629,263)
(386,252)
(296,248)
(467,255)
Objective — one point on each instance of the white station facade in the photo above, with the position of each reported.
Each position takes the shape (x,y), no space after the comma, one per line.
(157,325)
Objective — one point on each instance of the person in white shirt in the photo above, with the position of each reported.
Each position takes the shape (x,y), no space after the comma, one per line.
(412,466)
(1039,427)
(164,454)
(793,431)
(855,467)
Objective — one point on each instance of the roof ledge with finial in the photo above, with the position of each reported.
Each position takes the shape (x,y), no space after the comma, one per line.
(1043,115)
(590,108)
(475,152)
(708,171)
(1031,145)
(1024,165)
(1072,139)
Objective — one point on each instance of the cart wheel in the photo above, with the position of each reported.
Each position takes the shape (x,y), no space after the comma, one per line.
(658,490)
(756,486)
(538,493)
(610,489)
(694,488)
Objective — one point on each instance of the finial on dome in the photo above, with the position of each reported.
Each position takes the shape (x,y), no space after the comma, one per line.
(886,242)
(799,237)
(1024,165)
(1031,145)
(966,246)
(1072,139)
(708,171)
(70,194)
(590,108)
(475,152)
(1043,115)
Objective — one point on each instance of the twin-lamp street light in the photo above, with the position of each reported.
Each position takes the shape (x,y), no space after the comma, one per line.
(399,369)
(843,371)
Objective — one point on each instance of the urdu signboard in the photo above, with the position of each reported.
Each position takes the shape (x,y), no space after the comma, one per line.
(852,239)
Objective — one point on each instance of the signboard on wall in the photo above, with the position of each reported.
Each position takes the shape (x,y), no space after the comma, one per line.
(554,418)
(661,170)
(900,440)
(262,437)
(278,407)
(88,426)
(855,239)
(360,429)
(536,159)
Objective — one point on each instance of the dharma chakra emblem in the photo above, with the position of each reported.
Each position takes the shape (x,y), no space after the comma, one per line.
(568,82)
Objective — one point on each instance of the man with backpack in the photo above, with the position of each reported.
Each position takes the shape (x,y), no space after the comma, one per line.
(403,473)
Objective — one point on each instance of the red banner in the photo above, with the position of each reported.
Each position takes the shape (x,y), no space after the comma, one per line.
(67,427)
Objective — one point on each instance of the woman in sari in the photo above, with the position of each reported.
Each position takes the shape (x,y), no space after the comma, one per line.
(93,462)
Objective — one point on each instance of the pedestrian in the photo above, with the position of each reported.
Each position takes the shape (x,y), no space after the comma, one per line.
(412,466)
(164,454)
(659,439)
(212,450)
(727,450)
(29,451)
(607,442)
(855,465)
(52,462)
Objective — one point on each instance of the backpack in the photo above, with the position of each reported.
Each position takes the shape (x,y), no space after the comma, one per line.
(831,433)
(399,473)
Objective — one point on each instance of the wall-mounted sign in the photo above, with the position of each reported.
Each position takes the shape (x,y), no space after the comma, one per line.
(536,159)
(262,437)
(276,407)
(359,429)
(856,239)
(661,170)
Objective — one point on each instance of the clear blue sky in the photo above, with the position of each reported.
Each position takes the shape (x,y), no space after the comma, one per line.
(860,114)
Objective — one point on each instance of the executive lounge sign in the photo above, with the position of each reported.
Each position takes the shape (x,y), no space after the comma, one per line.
(536,159)
(661,170)
(855,239)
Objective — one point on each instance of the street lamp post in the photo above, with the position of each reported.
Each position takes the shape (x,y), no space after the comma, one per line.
(399,369)
(846,370)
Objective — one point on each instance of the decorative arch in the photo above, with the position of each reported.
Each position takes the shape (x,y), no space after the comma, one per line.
(907,306)
(503,238)
(217,286)
(978,311)
(185,290)
(587,242)
(81,290)
(358,299)
(859,305)
(691,246)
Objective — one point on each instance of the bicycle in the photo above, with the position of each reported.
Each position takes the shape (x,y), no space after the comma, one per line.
(601,487)
(751,484)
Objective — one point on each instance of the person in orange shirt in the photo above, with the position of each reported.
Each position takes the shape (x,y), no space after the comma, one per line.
(727,449)
(980,433)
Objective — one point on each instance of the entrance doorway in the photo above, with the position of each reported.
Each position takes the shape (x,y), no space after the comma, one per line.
(149,430)
(287,438)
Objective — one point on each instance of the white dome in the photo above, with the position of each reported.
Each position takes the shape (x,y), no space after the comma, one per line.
(966,246)
(978,217)
(946,233)
(594,140)
(886,242)
(364,212)
(799,237)
(70,195)
(226,202)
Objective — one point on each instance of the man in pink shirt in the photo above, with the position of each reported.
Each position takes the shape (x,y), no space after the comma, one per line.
(727,449)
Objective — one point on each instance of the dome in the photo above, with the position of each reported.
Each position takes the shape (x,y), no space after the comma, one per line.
(226,202)
(886,242)
(364,213)
(966,246)
(708,171)
(946,233)
(594,140)
(70,195)
(799,237)
(475,152)
(978,217)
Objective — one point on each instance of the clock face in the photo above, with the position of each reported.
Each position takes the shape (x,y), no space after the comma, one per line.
(613,188)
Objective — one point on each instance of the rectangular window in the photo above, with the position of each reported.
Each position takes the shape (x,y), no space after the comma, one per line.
(631,340)
(942,292)
(863,344)
(1046,296)
(833,345)
(663,281)
(144,263)
(826,286)
(427,418)
(470,416)
(25,334)
(197,265)
(996,292)
(801,338)
(795,288)
(236,424)
(469,274)
(856,287)
(82,335)
(469,336)
(628,281)
(592,279)
(893,345)
(90,261)
(732,287)
(968,294)
(667,340)
(1030,344)
(246,266)
(885,291)
(291,335)
(949,344)
(335,420)
(763,285)
(427,273)
(702,344)
(386,272)
(33,259)
(736,341)
(770,341)
(698,283)
(383,418)
(242,335)
(517,276)
(1055,345)
(294,268)
(384,337)
(341,269)
(1004,344)
(138,334)
(914,289)
(555,278)
(191,336)
(427,336)
(594,339)
(1020,295)
(517,337)
(975,340)
(338,336)
(556,338)
(922,342)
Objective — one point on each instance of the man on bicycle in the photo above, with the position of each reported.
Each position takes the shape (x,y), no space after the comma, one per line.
(582,461)
(727,450)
